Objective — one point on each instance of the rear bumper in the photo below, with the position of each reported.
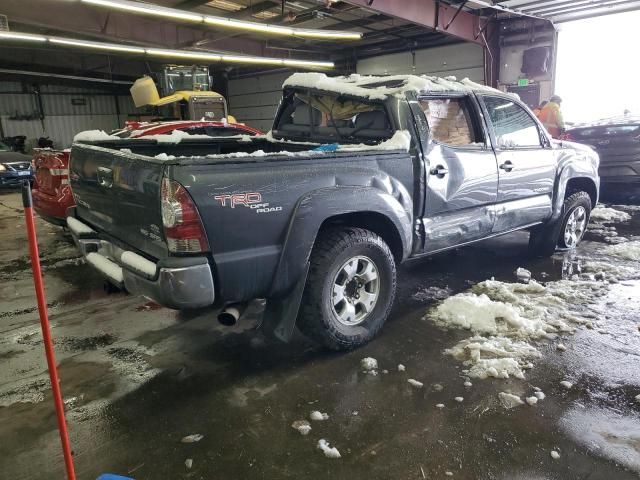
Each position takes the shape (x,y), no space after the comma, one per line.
(179,283)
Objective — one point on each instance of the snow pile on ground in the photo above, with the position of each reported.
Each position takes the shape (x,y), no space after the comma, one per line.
(93,136)
(506,317)
(626,251)
(329,452)
(608,215)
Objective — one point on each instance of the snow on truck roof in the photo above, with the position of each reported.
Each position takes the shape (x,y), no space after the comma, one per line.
(381,87)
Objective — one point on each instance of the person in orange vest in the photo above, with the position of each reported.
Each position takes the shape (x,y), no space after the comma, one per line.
(537,110)
(551,117)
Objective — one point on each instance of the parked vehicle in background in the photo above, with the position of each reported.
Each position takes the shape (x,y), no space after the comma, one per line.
(617,141)
(357,175)
(52,193)
(14,167)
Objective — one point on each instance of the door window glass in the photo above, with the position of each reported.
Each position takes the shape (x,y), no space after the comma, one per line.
(449,121)
(513,125)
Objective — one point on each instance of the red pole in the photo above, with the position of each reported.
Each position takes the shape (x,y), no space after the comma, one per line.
(46,330)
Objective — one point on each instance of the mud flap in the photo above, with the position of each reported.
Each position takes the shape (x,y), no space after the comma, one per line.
(280,314)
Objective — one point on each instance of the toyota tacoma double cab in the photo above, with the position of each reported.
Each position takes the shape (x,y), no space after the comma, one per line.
(357,175)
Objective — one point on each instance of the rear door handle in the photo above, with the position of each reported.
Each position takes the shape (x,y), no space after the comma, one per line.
(439,171)
(507,166)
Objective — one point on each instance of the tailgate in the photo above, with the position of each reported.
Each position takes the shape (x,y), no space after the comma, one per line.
(118,194)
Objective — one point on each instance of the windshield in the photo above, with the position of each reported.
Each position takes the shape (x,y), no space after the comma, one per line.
(332,118)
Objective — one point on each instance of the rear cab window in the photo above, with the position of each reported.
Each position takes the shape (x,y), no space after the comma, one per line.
(513,126)
(332,118)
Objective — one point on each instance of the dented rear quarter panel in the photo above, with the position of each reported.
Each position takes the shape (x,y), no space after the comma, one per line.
(262,217)
(575,161)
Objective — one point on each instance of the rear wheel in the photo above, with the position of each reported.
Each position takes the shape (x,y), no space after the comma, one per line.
(350,288)
(567,231)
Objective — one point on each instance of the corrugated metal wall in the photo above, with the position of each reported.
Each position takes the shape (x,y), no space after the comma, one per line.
(96,110)
(461,60)
(254,100)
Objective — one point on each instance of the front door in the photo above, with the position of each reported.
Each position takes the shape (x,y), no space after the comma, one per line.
(526,164)
(462,173)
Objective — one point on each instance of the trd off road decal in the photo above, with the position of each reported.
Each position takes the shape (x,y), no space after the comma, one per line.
(252,200)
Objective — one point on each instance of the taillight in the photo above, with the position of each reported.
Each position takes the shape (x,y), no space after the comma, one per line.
(182,225)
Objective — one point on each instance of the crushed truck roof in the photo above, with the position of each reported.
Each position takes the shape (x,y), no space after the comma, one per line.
(381,87)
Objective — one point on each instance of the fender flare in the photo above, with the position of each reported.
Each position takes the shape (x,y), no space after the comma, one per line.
(567,172)
(313,209)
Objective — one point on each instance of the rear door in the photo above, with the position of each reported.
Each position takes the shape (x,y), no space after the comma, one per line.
(526,164)
(462,173)
(118,193)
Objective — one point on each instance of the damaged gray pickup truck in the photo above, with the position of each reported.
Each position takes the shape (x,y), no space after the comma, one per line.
(357,175)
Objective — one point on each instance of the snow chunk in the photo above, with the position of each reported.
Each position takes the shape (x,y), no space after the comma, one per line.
(93,136)
(523,275)
(440,405)
(539,395)
(329,452)
(196,437)
(401,367)
(164,157)
(176,136)
(188,463)
(369,363)
(532,400)
(608,215)
(506,358)
(301,426)
(459,399)
(508,400)
(626,251)
(468,384)
(561,347)
(555,455)
(637,397)
(318,416)
(566,384)
(415,383)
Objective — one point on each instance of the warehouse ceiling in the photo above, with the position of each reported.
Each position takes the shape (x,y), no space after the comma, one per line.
(384,30)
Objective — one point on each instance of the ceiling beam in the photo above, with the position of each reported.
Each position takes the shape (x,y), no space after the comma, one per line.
(77,21)
(430,14)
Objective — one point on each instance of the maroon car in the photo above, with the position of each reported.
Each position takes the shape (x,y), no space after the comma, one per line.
(52,193)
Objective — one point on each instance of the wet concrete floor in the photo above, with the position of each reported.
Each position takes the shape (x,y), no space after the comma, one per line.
(138,378)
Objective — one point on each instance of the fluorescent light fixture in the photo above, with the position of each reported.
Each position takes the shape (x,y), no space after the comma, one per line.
(112,47)
(176,14)
(159,52)
(162,52)
(22,36)
(147,9)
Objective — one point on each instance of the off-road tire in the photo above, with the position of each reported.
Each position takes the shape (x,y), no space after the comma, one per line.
(317,319)
(545,239)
